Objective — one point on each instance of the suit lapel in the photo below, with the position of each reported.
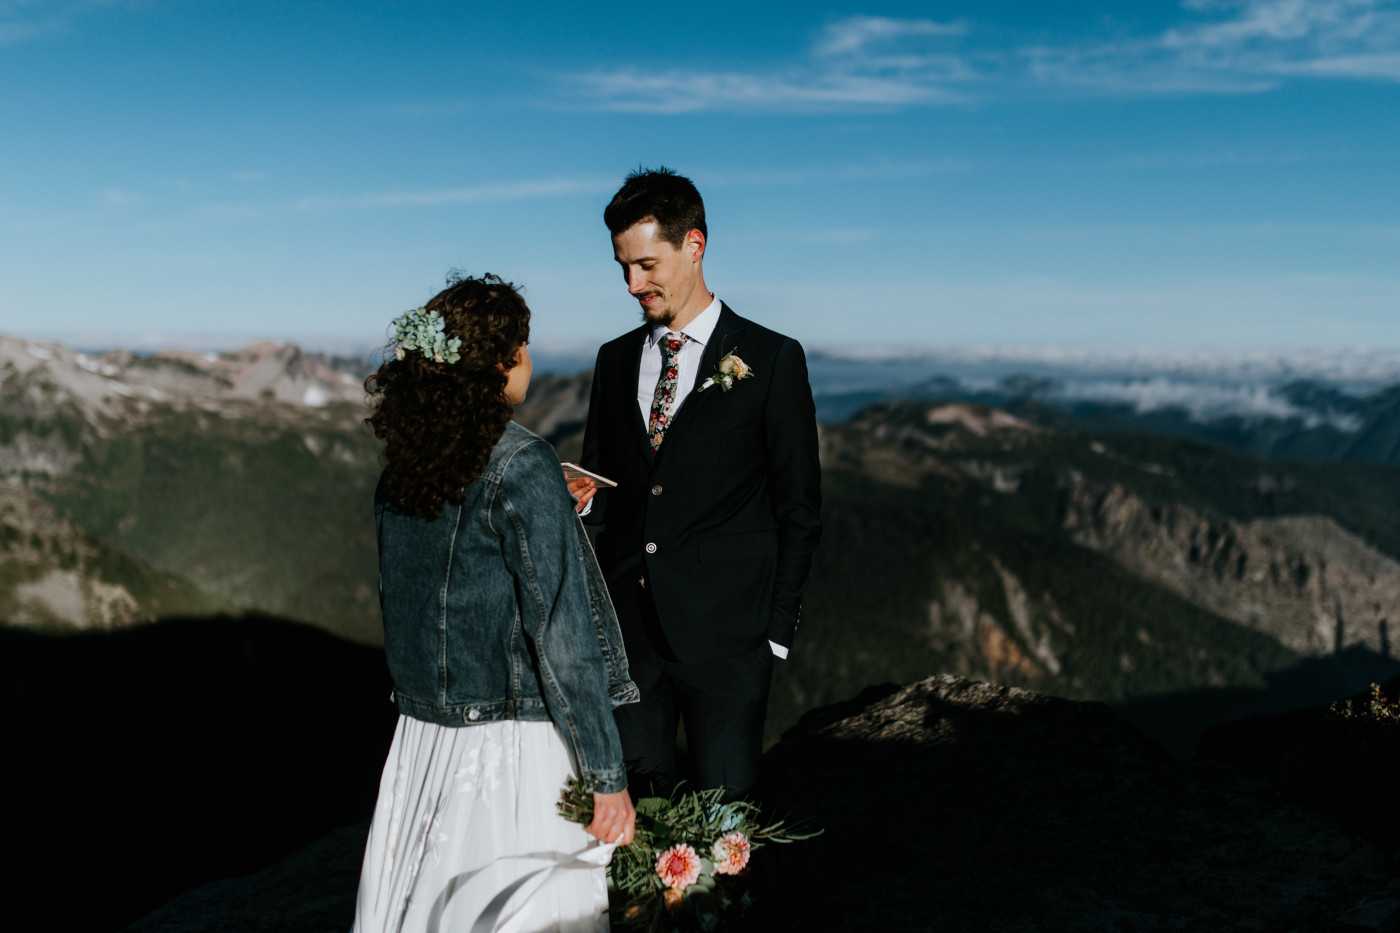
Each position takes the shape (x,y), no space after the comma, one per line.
(724,339)
(729,329)
(632,367)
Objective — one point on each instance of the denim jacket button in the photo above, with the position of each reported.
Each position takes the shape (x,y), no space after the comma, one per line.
(651,547)
(656,490)
(473,715)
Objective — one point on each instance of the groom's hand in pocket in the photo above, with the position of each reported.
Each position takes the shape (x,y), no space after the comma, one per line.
(614,819)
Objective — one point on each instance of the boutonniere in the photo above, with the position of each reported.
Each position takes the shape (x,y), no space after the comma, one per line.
(729,371)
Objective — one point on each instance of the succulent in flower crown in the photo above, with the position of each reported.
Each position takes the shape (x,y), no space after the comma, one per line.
(423,330)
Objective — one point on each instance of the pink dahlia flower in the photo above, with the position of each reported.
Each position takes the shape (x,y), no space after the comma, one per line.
(678,866)
(731,853)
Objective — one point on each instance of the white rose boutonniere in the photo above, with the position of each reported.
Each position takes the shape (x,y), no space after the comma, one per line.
(729,371)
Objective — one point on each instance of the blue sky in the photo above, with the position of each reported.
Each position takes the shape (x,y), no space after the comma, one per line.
(1208,173)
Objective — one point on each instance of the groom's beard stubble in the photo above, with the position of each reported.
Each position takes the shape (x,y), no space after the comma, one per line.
(664,318)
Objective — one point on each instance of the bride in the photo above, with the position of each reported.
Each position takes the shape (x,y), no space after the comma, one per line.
(503,647)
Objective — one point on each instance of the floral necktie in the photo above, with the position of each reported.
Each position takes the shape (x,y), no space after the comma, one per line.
(665,395)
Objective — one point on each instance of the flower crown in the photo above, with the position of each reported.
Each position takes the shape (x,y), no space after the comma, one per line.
(422,330)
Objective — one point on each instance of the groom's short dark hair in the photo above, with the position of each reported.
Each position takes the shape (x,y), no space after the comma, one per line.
(661,195)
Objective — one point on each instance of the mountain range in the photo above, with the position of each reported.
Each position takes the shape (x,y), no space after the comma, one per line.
(1068,551)
(144,487)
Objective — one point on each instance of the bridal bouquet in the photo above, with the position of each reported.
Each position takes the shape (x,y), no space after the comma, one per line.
(682,869)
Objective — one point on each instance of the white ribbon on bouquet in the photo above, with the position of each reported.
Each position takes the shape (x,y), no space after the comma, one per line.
(589,857)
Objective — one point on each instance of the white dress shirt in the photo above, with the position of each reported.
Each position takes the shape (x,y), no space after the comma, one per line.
(687,361)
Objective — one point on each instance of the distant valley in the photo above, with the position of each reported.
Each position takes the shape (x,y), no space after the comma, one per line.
(970,541)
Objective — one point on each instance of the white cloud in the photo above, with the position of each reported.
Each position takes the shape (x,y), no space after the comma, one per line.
(1357,39)
(1131,69)
(1380,65)
(1233,46)
(688,92)
(874,62)
(857,63)
(852,35)
(27,20)
(1202,401)
(1276,20)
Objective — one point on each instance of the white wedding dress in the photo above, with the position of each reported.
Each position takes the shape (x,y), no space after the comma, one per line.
(463,814)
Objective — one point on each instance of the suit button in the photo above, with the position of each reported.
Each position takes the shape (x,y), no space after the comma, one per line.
(651,547)
(656,490)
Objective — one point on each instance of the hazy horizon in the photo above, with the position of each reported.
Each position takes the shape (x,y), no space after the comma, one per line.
(1065,351)
(1145,376)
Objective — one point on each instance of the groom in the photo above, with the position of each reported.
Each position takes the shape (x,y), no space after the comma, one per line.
(705,421)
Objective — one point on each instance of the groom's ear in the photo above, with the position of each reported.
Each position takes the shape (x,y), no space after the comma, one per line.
(694,245)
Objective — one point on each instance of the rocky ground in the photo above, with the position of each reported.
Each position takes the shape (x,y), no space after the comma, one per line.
(970,806)
(952,805)
(311,892)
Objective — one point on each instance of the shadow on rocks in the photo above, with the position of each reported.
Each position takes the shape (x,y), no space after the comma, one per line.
(956,805)
(147,761)
(1342,758)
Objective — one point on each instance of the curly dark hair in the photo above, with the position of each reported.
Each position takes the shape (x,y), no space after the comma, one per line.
(439,421)
(661,195)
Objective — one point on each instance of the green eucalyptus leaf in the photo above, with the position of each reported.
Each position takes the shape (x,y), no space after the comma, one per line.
(652,806)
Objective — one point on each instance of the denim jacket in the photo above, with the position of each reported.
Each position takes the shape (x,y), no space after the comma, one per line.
(496,610)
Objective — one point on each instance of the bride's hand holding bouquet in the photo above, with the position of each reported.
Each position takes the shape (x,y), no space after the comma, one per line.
(681,869)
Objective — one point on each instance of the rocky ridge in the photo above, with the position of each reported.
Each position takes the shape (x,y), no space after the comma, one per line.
(137,487)
(1302,579)
(118,383)
(981,544)
(55,576)
(56,403)
(1003,809)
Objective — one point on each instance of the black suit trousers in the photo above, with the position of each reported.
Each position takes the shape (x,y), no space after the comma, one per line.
(722,704)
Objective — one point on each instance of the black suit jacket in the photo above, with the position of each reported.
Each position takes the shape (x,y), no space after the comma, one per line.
(724,519)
